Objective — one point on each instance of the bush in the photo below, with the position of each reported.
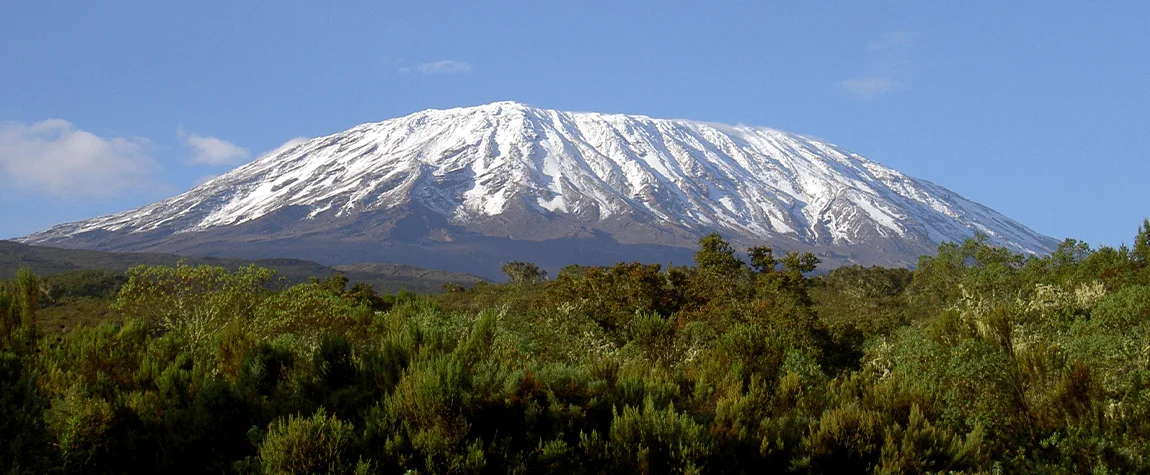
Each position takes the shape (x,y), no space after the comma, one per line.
(316,444)
(846,440)
(21,423)
(651,440)
(921,447)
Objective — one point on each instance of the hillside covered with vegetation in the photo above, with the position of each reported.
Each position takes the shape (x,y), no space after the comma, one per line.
(977,361)
(83,263)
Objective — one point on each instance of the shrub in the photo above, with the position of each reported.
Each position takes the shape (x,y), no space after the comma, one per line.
(847,439)
(316,444)
(921,447)
(78,426)
(651,440)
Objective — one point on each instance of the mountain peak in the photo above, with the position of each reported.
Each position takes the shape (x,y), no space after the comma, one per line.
(497,107)
(506,173)
(506,105)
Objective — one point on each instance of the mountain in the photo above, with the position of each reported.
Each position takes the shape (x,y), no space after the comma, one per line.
(468,188)
(385,278)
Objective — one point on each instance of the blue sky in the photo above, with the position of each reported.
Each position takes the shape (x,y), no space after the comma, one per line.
(1040,110)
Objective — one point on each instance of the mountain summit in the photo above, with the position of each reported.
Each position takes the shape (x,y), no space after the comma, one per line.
(468,188)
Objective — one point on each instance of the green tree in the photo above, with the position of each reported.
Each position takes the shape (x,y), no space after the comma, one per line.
(716,255)
(21,417)
(19,307)
(195,302)
(797,263)
(524,272)
(762,259)
(28,293)
(1141,253)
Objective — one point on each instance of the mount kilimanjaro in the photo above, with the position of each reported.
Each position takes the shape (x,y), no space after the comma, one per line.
(469,188)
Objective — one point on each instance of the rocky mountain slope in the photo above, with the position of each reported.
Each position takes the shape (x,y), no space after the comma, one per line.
(468,188)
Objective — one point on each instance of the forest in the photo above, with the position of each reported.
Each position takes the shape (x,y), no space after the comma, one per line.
(978,360)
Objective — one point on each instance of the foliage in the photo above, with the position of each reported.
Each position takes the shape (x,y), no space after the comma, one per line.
(716,255)
(977,361)
(307,445)
(524,272)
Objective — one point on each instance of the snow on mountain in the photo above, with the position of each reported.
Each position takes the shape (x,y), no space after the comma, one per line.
(508,170)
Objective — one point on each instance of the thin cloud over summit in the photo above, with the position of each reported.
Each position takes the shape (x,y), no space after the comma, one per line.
(439,67)
(213,151)
(888,57)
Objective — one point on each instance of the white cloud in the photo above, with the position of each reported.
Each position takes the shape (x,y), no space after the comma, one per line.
(213,151)
(60,160)
(291,143)
(887,66)
(893,39)
(446,66)
(205,179)
(867,88)
(286,146)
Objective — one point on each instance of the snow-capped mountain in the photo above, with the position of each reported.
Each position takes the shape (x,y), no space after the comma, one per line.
(469,187)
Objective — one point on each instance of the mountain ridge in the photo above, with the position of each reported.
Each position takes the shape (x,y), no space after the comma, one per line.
(444,180)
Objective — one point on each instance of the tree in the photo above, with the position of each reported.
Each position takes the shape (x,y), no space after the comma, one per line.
(28,293)
(716,255)
(1141,252)
(762,259)
(799,264)
(524,272)
(613,294)
(193,301)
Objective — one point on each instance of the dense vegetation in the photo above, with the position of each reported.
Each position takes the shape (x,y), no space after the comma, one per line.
(979,360)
